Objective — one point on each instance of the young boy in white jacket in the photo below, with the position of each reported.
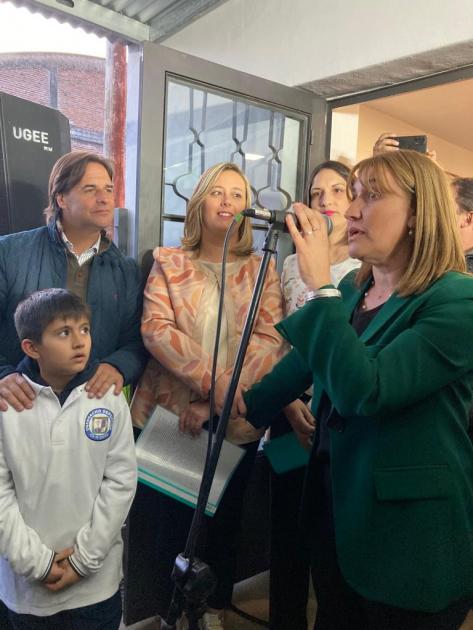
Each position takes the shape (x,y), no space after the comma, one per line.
(67,478)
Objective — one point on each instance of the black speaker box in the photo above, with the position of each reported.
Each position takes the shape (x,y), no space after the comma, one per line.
(32,138)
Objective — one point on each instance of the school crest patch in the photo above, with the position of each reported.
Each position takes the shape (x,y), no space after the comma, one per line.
(98,424)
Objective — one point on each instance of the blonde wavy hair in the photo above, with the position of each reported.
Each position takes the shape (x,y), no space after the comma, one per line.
(436,246)
(193,221)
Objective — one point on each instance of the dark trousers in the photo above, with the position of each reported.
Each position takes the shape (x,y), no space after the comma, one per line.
(218,540)
(4,618)
(289,560)
(105,615)
(339,607)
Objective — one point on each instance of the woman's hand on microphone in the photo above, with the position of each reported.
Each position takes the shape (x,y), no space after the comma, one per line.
(312,246)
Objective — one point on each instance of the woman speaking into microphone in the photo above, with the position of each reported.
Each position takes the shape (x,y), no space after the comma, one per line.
(388,504)
(179,323)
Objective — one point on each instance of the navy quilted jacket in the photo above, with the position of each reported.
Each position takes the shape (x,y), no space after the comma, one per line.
(36,259)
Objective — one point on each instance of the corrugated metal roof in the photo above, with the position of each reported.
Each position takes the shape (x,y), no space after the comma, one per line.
(132,20)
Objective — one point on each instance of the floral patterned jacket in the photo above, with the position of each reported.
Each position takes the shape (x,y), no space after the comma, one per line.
(172,326)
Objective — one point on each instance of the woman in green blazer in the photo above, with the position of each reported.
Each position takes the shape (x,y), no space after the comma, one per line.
(388,507)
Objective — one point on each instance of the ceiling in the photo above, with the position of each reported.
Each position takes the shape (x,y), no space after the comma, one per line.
(445,110)
(133,20)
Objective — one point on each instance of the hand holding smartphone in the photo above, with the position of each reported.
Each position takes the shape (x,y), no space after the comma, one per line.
(413,143)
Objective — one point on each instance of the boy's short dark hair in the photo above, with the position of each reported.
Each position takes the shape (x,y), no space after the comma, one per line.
(35,312)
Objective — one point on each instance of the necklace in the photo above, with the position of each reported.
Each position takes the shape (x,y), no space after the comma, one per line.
(381,294)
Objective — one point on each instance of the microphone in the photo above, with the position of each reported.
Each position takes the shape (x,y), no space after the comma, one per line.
(279,217)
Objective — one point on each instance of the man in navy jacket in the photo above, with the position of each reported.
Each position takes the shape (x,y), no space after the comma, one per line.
(73,252)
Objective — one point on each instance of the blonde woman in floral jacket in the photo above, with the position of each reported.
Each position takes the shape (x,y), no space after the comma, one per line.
(178,328)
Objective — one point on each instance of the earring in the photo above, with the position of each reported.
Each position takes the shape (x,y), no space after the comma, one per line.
(410,232)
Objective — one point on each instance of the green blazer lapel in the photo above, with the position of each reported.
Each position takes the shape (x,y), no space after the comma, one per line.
(390,308)
(352,297)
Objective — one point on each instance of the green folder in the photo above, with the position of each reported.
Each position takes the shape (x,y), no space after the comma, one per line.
(285,453)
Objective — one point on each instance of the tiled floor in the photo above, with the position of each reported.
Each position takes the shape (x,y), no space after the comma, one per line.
(251,596)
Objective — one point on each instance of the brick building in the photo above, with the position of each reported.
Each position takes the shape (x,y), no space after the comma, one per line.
(74,84)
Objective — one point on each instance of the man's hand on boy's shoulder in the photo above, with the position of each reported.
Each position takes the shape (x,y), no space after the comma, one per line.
(105,376)
(16,392)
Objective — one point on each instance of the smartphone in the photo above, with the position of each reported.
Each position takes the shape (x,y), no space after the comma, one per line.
(414,143)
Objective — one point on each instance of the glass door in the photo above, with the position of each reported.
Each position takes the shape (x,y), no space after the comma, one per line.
(194,114)
(204,126)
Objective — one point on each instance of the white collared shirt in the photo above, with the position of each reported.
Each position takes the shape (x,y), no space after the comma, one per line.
(87,254)
(52,498)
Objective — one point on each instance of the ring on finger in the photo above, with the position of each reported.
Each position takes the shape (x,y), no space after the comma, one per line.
(308,232)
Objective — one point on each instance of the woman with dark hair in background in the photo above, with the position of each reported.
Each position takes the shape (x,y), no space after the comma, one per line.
(289,564)
(326,193)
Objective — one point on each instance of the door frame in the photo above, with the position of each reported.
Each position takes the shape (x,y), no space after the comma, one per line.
(410,85)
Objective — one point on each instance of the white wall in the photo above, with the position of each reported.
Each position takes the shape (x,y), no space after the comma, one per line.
(372,123)
(300,41)
(344,136)
(355,129)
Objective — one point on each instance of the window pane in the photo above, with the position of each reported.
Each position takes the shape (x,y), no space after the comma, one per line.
(205,126)
(172,233)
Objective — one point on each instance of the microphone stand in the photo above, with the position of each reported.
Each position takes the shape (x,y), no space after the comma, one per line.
(194,581)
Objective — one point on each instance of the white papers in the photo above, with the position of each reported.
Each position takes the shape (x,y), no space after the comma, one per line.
(173,462)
